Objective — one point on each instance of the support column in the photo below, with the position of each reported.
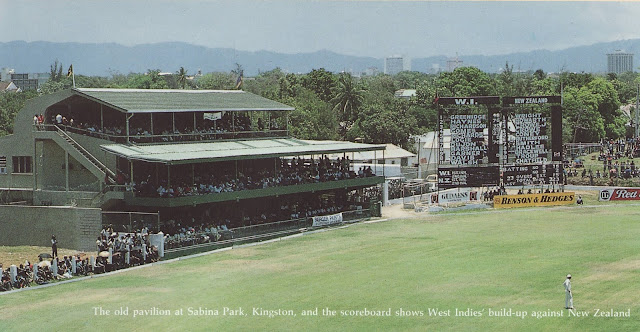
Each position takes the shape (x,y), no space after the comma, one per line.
(34,166)
(128,117)
(287,123)
(375,162)
(384,163)
(66,170)
(73,265)
(101,119)
(168,176)
(13,273)
(385,193)
(151,123)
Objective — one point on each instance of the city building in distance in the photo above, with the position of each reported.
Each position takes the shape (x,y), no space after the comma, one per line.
(395,64)
(454,63)
(619,62)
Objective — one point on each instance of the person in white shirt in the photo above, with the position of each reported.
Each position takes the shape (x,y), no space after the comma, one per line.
(568,301)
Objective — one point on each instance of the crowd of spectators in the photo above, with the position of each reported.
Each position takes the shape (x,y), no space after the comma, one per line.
(228,123)
(186,231)
(50,269)
(396,188)
(189,230)
(290,172)
(623,147)
(136,244)
(491,192)
(365,195)
(614,169)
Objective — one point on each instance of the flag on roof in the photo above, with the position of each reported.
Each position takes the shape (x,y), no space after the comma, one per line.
(70,71)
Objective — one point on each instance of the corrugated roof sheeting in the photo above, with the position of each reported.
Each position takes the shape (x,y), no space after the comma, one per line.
(149,100)
(185,153)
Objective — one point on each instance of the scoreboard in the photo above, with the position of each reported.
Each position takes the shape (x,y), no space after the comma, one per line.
(518,144)
(467,177)
(520,175)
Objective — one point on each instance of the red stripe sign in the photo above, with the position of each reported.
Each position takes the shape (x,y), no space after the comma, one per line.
(619,194)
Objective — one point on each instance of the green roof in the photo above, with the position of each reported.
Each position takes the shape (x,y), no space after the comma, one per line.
(185,153)
(148,100)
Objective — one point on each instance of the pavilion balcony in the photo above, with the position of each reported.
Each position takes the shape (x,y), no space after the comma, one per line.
(132,199)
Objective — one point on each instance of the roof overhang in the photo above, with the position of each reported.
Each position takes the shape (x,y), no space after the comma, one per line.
(188,153)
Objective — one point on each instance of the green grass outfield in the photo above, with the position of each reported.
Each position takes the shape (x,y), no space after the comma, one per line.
(513,259)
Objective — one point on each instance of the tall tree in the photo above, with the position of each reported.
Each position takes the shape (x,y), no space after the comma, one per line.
(150,80)
(312,117)
(348,99)
(10,104)
(55,72)
(321,82)
(465,81)
(216,81)
(182,77)
(506,80)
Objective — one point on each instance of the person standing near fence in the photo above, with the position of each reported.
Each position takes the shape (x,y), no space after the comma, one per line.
(54,246)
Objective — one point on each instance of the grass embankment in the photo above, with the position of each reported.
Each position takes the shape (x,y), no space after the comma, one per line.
(19,254)
(592,163)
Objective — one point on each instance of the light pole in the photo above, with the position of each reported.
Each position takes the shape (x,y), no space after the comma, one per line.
(637,110)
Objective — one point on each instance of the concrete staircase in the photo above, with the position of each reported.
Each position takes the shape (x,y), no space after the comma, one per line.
(85,158)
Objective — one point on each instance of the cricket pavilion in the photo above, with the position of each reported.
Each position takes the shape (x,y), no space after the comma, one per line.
(80,159)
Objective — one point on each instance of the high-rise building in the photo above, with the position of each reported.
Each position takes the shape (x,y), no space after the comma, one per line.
(395,64)
(454,63)
(24,82)
(5,74)
(371,71)
(619,62)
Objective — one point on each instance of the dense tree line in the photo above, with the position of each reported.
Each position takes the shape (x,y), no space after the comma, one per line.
(339,106)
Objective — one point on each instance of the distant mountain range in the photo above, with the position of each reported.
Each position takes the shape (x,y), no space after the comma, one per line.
(103,59)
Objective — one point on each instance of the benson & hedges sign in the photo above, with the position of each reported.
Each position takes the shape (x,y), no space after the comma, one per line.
(548,199)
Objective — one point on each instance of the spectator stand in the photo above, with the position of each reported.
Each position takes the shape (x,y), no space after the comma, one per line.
(120,221)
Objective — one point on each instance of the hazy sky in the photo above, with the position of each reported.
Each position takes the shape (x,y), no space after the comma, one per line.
(370,28)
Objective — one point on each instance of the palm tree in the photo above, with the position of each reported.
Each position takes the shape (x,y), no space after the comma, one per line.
(182,77)
(348,99)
